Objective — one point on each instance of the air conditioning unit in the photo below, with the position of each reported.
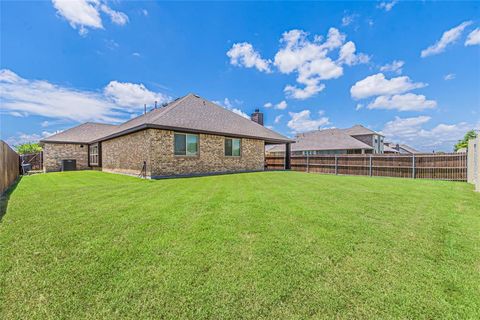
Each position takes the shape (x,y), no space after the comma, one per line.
(69,165)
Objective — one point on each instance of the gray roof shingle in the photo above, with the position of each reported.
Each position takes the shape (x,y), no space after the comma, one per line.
(358,130)
(83,133)
(191,114)
(328,139)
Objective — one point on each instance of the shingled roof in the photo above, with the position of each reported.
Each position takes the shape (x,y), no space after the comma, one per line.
(329,139)
(188,114)
(358,130)
(83,133)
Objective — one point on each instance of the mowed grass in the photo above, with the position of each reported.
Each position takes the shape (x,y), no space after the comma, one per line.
(272,245)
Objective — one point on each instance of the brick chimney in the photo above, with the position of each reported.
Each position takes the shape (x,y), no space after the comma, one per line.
(257,117)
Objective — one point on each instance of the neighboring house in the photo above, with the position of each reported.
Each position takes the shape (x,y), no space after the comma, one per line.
(367,136)
(389,150)
(401,148)
(328,141)
(189,136)
(354,140)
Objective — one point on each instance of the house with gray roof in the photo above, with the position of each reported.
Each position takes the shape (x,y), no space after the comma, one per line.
(400,148)
(189,136)
(354,140)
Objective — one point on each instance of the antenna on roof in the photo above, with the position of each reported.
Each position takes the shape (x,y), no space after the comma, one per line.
(144,108)
(155,104)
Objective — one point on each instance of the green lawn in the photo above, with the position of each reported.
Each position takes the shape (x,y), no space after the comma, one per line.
(271,245)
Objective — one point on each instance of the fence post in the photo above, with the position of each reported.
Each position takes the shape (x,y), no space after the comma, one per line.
(336,164)
(308,164)
(413,166)
(370,166)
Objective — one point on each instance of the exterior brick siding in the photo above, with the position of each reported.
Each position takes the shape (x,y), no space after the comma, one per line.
(54,153)
(210,159)
(127,153)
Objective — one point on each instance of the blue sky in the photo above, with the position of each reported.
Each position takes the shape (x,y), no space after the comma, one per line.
(408,69)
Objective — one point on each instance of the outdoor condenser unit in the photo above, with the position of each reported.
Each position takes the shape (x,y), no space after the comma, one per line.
(69,165)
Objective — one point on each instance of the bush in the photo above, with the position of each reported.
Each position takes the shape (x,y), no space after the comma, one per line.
(29,147)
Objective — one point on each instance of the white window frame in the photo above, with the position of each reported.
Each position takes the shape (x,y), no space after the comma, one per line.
(93,157)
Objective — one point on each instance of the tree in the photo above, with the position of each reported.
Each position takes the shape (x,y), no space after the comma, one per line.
(28,147)
(464,142)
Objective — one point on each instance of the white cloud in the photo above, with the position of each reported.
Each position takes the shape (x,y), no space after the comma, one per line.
(387,5)
(308,91)
(22,137)
(232,106)
(243,54)
(347,55)
(404,102)
(404,127)
(282,105)
(302,121)
(18,114)
(43,98)
(116,17)
(348,19)
(358,107)
(268,105)
(473,38)
(84,14)
(411,131)
(449,76)
(395,66)
(145,12)
(132,95)
(448,37)
(377,84)
(136,54)
(307,58)
(278,118)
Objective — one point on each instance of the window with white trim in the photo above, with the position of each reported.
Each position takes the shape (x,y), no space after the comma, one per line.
(93,154)
(232,147)
(185,144)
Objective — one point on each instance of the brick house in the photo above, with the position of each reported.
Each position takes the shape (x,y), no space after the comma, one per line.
(189,136)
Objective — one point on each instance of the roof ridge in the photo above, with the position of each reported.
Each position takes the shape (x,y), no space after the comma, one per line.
(174,103)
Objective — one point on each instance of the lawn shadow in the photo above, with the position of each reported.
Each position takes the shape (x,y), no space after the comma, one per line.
(6,196)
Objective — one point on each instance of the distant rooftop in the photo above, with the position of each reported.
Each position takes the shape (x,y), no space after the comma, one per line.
(328,139)
(358,130)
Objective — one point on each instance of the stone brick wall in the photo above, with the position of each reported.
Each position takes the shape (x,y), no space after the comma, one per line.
(211,157)
(126,154)
(54,153)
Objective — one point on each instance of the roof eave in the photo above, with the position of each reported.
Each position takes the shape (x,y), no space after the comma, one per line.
(188,130)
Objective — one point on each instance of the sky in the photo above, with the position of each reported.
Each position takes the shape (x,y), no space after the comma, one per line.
(410,70)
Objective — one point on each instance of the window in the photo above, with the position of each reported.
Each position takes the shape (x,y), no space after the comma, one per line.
(185,144)
(232,147)
(93,149)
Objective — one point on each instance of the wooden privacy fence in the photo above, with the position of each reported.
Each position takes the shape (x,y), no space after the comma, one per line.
(9,166)
(451,166)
